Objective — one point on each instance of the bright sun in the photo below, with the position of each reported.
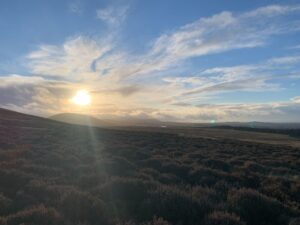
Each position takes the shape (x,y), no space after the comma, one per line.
(81,98)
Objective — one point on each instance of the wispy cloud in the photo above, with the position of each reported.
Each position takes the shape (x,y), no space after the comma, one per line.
(272,10)
(73,60)
(289,60)
(270,112)
(76,7)
(219,33)
(296,99)
(295,47)
(113,15)
(251,78)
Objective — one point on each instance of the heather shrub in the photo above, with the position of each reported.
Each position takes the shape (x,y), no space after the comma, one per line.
(256,208)
(151,163)
(154,221)
(6,205)
(205,194)
(80,207)
(217,164)
(12,181)
(176,169)
(295,221)
(126,196)
(175,206)
(91,180)
(204,176)
(157,221)
(41,192)
(34,216)
(168,178)
(120,167)
(223,218)
(255,167)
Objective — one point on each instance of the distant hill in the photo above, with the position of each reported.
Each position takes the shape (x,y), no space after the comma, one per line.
(87,120)
(260,125)
(81,119)
(293,132)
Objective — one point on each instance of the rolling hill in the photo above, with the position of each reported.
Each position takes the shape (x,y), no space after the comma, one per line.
(81,119)
(87,120)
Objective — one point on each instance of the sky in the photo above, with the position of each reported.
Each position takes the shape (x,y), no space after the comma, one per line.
(172,60)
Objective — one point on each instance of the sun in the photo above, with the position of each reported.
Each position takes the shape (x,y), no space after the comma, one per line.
(82,98)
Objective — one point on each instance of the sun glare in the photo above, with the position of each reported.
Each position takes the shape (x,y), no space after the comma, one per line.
(82,98)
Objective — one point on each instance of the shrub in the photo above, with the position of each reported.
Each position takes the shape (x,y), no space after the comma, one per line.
(223,218)
(151,163)
(80,207)
(91,180)
(119,167)
(295,221)
(12,180)
(176,169)
(175,206)
(6,204)
(217,164)
(154,221)
(168,178)
(34,216)
(205,194)
(157,221)
(126,196)
(256,208)
(205,176)
(41,192)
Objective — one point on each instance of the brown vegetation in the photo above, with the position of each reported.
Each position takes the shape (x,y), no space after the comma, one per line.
(52,173)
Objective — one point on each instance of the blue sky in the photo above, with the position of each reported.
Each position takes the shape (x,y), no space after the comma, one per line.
(172,60)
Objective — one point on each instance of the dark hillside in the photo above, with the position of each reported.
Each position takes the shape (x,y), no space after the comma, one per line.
(55,173)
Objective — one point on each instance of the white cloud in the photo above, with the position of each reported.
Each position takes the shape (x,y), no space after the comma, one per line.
(73,60)
(268,112)
(296,99)
(15,80)
(272,10)
(285,60)
(252,77)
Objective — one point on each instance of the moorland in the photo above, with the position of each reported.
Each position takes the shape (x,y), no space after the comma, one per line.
(56,173)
